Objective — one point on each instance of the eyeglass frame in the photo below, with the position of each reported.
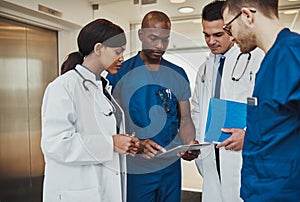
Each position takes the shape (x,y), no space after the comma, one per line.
(225,26)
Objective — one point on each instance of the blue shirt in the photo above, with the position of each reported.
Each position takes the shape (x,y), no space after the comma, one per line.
(150,98)
(271,152)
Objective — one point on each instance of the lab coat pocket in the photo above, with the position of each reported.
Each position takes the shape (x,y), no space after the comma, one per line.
(105,106)
(90,195)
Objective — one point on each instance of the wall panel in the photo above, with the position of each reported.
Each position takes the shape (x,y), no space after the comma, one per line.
(28,62)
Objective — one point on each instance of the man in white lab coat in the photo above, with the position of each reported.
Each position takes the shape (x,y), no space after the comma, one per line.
(220,167)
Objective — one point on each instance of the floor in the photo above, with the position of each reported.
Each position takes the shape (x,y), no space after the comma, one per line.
(189,196)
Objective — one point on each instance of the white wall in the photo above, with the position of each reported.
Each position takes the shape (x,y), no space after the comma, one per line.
(75,14)
(76,11)
(189,60)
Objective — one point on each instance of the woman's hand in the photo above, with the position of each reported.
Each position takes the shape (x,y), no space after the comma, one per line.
(126,144)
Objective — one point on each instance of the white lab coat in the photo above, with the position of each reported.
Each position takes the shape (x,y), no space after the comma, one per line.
(230,161)
(77,143)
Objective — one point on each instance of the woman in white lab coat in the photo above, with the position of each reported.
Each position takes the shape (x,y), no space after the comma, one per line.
(82,125)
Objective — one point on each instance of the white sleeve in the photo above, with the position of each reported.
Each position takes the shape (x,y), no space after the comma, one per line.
(196,103)
(60,140)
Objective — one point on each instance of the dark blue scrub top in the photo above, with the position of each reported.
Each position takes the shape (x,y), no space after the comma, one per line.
(271,152)
(150,98)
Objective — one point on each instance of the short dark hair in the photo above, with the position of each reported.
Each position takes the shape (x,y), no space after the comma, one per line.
(213,11)
(156,15)
(269,8)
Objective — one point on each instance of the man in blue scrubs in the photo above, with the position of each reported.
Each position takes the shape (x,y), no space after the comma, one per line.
(271,153)
(154,94)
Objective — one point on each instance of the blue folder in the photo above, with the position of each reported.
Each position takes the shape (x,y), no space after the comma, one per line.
(224,114)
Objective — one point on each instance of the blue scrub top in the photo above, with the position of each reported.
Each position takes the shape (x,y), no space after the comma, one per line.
(271,152)
(150,98)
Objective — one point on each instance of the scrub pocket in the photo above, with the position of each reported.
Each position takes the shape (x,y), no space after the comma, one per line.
(88,195)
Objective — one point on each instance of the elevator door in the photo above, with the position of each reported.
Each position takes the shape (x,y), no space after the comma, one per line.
(28,62)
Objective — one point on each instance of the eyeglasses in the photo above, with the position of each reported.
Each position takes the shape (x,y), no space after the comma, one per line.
(226,27)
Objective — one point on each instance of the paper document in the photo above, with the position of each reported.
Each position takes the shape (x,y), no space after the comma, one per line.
(181,148)
(224,114)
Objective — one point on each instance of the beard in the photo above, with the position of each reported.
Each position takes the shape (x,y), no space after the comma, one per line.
(246,40)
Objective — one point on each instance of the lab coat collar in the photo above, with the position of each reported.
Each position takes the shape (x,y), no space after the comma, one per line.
(107,86)
(231,51)
(86,73)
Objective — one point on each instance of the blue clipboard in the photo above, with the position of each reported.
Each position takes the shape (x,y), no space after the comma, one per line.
(224,114)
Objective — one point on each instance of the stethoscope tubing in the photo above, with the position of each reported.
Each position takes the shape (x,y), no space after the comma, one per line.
(113,110)
(86,80)
(232,73)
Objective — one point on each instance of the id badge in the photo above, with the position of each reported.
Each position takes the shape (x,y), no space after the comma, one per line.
(252,101)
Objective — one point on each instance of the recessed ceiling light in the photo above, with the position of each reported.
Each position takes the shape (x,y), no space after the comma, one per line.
(177,1)
(293,0)
(290,12)
(186,9)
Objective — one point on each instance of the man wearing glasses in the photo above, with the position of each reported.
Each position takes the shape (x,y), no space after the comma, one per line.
(271,153)
(220,167)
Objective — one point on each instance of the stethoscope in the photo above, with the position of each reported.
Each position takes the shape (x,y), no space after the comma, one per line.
(111,111)
(85,80)
(233,70)
(237,60)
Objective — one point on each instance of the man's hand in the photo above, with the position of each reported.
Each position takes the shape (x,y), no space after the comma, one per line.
(190,154)
(148,148)
(235,141)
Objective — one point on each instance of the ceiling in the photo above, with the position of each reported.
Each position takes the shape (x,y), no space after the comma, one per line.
(187,25)
(172,9)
